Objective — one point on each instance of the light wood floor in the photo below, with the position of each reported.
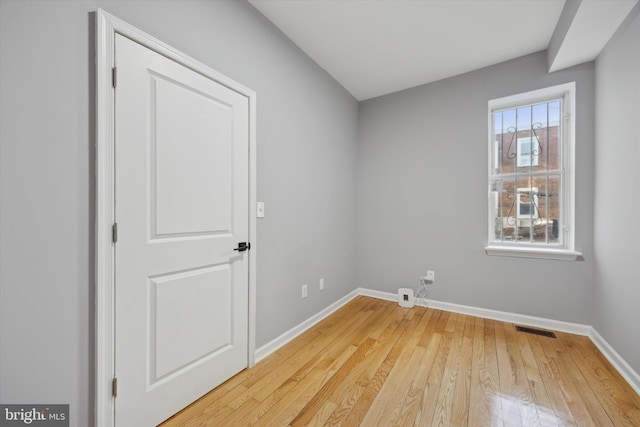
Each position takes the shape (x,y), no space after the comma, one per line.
(374,363)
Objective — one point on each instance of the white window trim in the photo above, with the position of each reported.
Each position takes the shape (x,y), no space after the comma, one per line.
(532,252)
(566,251)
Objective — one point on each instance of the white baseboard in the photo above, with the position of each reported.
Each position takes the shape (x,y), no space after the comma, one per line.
(283,339)
(616,360)
(521,319)
(627,372)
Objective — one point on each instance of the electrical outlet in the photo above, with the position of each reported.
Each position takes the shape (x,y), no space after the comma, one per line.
(430,275)
(321,284)
(304,291)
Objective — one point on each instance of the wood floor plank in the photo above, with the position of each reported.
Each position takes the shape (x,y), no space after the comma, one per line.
(411,388)
(307,388)
(311,351)
(627,389)
(554,350)
(350,336)
(389,355)
(400,376)
(372,387)
(374,363)
(510,404)
(446,395)
(616,402)
(267,404)
(479,404)
(322,416)
(340,320)
(460,404)
(351,371)
(365,371)
(411,405)
(311,407)
(490,377)
(286,409)
(416,391)
(550,378)
(426,409)
(537,389)
(375,376)
(590,410)
(523,395)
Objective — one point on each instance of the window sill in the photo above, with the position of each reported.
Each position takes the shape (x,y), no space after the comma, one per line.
(531,252)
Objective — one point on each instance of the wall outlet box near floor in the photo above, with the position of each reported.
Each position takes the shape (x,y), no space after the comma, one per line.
(406,298)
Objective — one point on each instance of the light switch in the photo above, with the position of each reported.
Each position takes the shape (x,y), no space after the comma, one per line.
(260,210)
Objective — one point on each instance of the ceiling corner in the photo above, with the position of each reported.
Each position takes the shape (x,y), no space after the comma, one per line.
(583,30)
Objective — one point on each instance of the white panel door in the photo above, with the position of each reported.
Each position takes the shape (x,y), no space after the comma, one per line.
(181,205)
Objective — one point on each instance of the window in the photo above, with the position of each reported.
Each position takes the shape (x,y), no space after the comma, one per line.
(531,174)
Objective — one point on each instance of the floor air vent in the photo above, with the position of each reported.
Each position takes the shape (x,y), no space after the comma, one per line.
(535,331)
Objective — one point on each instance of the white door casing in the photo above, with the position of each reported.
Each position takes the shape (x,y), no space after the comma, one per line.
(175,304)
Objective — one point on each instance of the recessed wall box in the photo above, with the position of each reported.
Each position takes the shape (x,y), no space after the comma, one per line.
(406,298)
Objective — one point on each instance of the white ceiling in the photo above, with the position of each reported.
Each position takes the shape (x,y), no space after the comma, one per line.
(376,47)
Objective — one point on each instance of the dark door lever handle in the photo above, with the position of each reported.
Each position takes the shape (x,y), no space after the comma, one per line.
(243,246)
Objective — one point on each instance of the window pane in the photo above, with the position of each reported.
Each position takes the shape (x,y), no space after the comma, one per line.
(506,137)
(541,222)
(526,210)
(527,137)
(552,156)
(496,163)
(553,202)
(522,146)
(505,214)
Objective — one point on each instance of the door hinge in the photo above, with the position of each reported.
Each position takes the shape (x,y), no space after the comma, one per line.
(114,387)
(114,232)
(114,77)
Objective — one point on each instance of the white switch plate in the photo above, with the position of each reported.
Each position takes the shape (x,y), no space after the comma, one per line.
(260,210)
(321,284)
(430,275)
(304,291)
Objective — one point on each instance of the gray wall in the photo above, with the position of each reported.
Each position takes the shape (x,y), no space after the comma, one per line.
(307,132)
(617,234)
(422,199)
(419,157)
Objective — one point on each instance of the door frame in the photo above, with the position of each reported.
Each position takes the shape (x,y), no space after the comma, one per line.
(107,26)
